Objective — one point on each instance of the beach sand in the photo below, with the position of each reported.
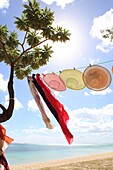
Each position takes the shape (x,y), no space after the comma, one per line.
(92,162)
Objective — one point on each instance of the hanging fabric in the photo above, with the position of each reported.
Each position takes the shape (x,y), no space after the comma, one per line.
(1,167)
(4,142)
(4,162)
(54,105)
(39,103)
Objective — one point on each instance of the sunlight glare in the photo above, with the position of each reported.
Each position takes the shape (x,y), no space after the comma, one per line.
(69,52)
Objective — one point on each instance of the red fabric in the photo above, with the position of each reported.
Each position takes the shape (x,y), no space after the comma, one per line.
(3,135)
(4,142)
(62,114)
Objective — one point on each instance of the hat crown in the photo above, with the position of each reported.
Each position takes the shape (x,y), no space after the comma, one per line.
(96,77)
(54,84)
(71,83)
(73,79)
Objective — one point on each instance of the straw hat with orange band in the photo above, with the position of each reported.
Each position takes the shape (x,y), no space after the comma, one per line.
(97,77)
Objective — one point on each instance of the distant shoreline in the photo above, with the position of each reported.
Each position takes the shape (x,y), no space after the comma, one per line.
(96,161)
(20,154)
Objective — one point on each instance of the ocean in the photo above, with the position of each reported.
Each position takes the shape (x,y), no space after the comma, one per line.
(18,154)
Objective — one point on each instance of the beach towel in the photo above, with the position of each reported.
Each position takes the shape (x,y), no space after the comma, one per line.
(56,108)
(39,103)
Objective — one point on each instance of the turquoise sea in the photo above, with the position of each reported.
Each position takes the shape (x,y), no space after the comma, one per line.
(32,153)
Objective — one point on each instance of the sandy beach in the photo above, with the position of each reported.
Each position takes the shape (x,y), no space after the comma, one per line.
(90,162)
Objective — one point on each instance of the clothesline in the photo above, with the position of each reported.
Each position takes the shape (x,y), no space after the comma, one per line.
(78,68)
(97,64)
(93,75)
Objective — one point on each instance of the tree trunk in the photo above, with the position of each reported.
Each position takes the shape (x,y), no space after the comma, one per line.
(7,113)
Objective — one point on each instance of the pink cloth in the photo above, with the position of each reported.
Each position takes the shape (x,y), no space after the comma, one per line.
(39,103)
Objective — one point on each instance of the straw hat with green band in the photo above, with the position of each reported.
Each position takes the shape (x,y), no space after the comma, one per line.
(54,82)
(72,78)
(97,77)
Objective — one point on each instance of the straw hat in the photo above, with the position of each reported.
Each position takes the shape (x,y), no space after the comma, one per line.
(73,79)
(54,81)
(96,77)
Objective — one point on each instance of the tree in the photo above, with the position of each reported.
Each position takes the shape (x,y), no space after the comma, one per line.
(108,33)
(23,57)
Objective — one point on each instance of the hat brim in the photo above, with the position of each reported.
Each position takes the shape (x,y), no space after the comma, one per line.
(96,77)
(73,79)
(54,82)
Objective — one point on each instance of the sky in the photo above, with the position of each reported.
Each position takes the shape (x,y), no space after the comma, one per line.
(90,112)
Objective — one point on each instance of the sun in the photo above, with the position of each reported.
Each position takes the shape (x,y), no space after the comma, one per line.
(67,53)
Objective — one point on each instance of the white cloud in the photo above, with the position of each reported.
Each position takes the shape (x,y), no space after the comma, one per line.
(41,136)
(61,3)
(32,105)
(103,92)
(3,83)
(87,125)
(33,130)
(4,4)
(85,120)
(93,61)
(102,23)
(4,11)
(94,120)
(86,94)
(46,71)
(18,105)
(57,94)
(25,1)
(102,47)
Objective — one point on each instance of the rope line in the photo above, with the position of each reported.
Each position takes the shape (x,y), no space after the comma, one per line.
(92,64)
(97,63)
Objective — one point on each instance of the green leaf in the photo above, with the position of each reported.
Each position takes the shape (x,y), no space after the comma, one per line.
(36,24)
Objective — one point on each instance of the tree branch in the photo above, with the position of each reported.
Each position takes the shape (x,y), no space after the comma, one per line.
(8,58)
(22,44)
(29,49)
(24,38)
(2,107)
(7,113)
